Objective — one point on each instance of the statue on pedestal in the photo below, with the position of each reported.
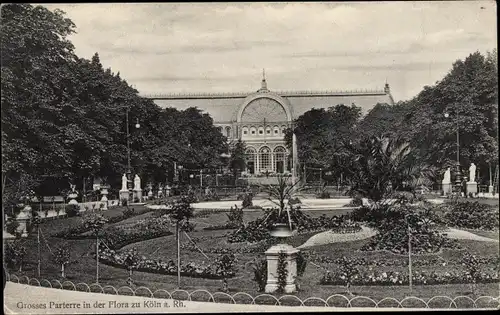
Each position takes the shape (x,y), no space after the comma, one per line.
(137,182)
(124,182)
(447,176)
(472,173)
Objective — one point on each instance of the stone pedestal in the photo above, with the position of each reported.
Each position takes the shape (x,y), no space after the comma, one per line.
(150,194)
(490,189)
(272,255)
(22,218)
(72,198)
(123,196)
(472,188)
(137,195)
(104,199)
(447,188)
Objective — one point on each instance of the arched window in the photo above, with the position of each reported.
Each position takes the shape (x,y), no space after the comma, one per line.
(261,131)
(276,130)
(280,159)
(283,128)
(244,130)
(251,159)
(265,159)
(253,131)
(268,130)
(228,131)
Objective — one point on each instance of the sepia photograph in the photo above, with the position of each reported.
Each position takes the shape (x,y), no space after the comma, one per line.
(222,157)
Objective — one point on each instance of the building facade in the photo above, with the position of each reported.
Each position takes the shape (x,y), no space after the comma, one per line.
(261,118)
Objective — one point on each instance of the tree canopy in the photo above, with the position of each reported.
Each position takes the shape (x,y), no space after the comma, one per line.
(320,133)
(65,116)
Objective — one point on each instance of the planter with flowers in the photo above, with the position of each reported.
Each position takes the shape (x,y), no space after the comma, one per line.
(281,258)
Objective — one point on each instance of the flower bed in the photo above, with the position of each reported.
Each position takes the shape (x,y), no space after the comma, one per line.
(427,261)
(396,241)
(118,236)
(418,278)
(203,213)
(470,215)
(75,232)
(258,247)
(258,229)
(194,270)
(227,226)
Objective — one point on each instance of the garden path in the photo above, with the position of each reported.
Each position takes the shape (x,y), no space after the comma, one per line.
(464,235)
(330,237)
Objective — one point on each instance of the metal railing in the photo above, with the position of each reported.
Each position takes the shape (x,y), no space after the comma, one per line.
(334,300)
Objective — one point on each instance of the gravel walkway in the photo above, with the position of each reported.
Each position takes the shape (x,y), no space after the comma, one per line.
(329,237)
(464,235)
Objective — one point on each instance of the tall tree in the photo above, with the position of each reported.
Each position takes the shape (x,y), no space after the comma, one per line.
(65,116)
(469,94)
(237,162)
(320,134)
(383,120)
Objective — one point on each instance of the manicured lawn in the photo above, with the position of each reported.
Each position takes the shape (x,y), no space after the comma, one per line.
(164,248)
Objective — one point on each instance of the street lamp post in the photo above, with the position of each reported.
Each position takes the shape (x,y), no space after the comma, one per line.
(129,168)
(458,176)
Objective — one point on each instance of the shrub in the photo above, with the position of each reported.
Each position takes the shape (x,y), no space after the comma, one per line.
(235,216)
(15,253)
(225,266)
(128,212)
(211,196)
(61,257)
(324,194)
(471,215)
(348,272)
(302,258)
(393,231)
(355,202)
(247,200)
(12,225)
(260,273)
(72,210)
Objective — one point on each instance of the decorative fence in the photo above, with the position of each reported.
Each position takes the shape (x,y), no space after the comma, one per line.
(334,300)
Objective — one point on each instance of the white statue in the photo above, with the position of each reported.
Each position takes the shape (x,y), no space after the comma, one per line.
(472,172)
(124,182)
(447,176)
(73,187)
(137,182)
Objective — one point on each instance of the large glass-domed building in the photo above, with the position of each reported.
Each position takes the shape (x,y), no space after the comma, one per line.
(260,118)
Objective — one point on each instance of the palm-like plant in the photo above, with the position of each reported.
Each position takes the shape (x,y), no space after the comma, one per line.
(380,168)
(284,190)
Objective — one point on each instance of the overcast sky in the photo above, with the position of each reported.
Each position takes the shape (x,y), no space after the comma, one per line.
(217,47)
